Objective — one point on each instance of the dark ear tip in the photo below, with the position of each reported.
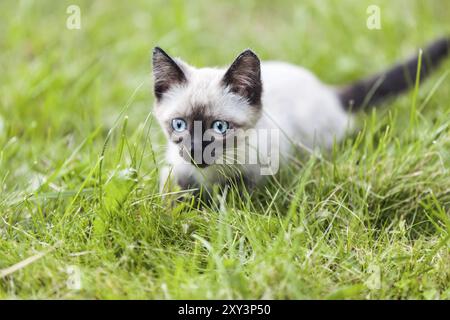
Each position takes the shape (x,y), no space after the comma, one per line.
(159,53)
(157,50)
(249,53)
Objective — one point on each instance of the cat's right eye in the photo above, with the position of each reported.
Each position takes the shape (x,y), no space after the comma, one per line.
(179,125)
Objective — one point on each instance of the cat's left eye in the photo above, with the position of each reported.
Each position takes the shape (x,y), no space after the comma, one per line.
(220,126)
(179,125)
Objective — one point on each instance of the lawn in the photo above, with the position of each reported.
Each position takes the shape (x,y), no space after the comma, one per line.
(80,153)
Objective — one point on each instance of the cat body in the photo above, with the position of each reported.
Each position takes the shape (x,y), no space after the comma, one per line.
(261,98)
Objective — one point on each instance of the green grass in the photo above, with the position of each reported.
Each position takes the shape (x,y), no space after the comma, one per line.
(79,158)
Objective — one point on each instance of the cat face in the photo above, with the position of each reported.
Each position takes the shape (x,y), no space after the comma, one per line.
(200,110)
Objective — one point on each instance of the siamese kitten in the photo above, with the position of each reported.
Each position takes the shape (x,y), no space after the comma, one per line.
(207,113)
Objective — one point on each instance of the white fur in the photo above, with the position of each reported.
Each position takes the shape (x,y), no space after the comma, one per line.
(304,109)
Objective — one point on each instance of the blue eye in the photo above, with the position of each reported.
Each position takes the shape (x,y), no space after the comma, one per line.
(220,126)
(179,125)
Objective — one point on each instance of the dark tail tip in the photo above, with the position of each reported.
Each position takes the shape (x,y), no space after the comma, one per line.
(371,91)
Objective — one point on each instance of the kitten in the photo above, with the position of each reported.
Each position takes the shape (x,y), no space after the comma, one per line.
(207,113)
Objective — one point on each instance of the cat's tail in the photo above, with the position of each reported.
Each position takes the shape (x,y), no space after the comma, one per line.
(373,90)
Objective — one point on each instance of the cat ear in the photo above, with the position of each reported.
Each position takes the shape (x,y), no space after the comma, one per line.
(244,77)
(166,72)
